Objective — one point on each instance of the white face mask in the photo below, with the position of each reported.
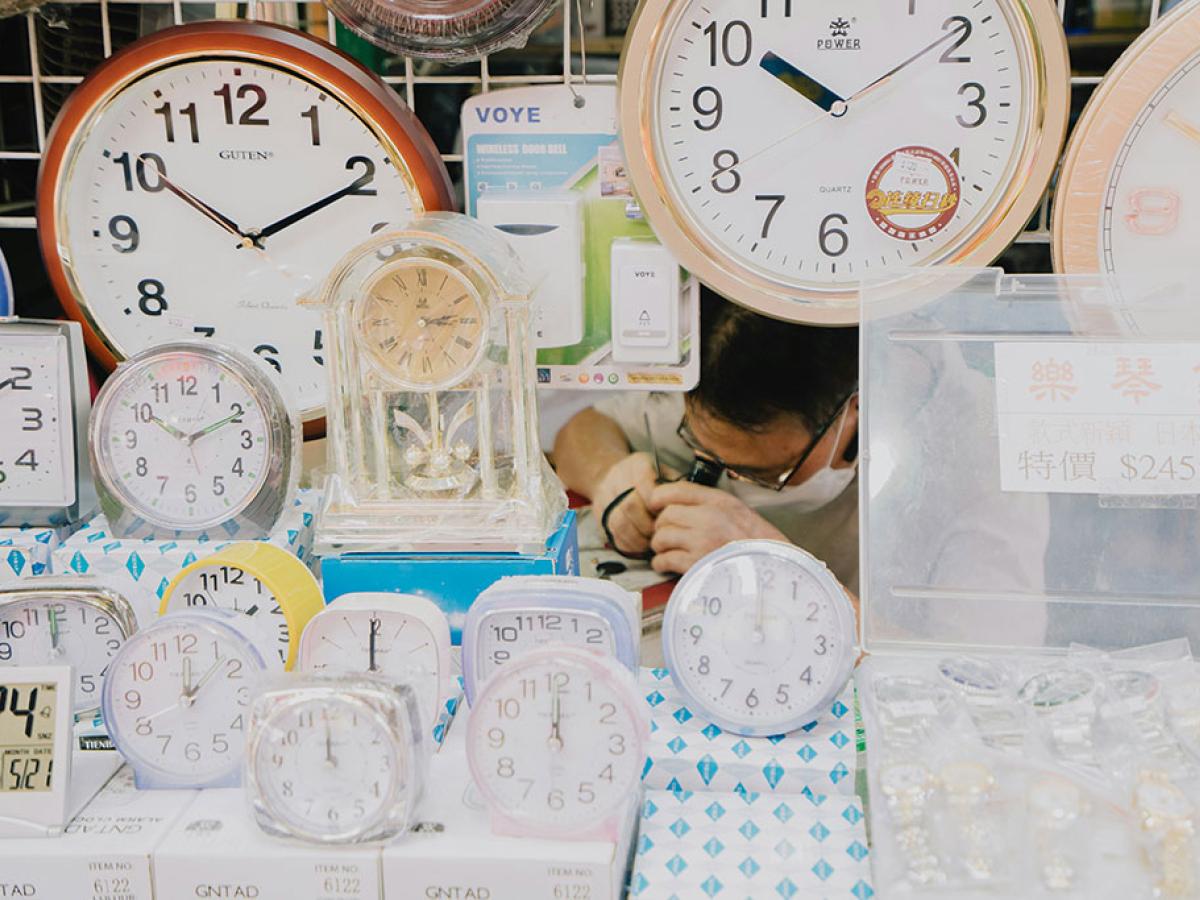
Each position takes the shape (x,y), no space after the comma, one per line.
(815,493)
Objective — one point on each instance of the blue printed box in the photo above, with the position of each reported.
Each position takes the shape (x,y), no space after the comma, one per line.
(751,845)
(687,752)
(142,568)
(25,552)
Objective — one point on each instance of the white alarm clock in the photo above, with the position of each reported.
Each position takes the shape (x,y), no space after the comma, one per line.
(402,636)
(44,407)
(177,696)
(335,759)
(518,614)
(759,637)
(65,622)
(556,743)
(193,436)
(271,587)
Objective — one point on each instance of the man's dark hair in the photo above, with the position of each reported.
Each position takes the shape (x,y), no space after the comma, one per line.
(753,369)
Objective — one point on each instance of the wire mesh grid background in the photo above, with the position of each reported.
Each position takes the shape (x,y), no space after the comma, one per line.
(33,62)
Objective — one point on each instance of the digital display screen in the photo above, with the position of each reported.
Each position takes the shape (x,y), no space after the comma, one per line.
(27,721)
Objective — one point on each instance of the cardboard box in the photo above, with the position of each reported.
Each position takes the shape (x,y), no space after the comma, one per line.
(687,752)
(26,551)
(105,853)
(751,845)
(452,853)
(451,580)
(217,850)
(141,569)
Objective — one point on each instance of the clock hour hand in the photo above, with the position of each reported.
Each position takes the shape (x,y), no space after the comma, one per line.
(1183,126)
(169,428)
(288,221)
(888,75)
(555,741)
(196,203)
(803,84)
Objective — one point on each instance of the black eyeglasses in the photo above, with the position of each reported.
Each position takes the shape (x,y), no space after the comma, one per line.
(772,482)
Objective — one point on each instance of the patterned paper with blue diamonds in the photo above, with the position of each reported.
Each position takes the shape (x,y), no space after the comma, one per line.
(689,753)
(141,569)
(25,552)
(751,845)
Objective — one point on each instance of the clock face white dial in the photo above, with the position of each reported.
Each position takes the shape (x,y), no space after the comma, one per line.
(59,630)
(556,740)
(177,696)
(1151,226)
(184,440)
(816,145)
(209,196)
(233,588)
(37,458)
(759,639)
(508,634)
(389,642)
(327,767)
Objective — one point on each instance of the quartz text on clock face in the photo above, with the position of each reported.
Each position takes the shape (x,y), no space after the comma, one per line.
(210,196)
(818,146)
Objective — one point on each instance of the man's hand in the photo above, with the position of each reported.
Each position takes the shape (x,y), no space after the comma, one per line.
(691,520)
(630,524)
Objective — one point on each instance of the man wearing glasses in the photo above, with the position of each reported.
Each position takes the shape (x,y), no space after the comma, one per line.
(775,414)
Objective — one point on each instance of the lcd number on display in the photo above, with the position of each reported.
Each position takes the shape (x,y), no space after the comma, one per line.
(27,737)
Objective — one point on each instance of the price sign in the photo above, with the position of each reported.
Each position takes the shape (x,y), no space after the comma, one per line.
(1109,418)
(36,720)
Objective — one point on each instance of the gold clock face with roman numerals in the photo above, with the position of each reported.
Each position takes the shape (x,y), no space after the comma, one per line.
(422,321)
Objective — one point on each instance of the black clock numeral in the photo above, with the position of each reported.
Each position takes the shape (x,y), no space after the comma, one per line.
(734,50)
(33,418)
(787,8)
(124,229)
(317,348)
(957,23)
(715,108)
(150,297)
(139,168)
(28,459)
(204,330)
(724,164)
(314,124)
(827,236)
(269,353)
(188,112)
(248,117)
(975,104)
(237,411)
(776,201)
(16,381)
(359,187)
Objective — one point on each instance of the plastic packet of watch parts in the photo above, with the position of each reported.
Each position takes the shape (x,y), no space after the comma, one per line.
(1132,709)
(987,688)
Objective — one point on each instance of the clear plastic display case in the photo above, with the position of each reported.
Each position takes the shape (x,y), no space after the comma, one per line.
(433,436)
(1030,488)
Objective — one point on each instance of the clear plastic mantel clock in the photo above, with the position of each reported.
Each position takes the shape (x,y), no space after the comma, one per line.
(433,434)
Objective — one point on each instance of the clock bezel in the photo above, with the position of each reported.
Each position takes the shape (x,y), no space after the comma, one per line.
(393,124)
(1133,81)
(649,34)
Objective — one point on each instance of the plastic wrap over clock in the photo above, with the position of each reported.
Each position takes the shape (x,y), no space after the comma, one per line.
(433,422)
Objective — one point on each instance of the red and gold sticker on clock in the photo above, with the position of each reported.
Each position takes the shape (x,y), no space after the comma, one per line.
(206,177)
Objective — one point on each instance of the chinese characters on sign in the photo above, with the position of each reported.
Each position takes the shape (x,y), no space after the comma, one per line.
(1085,418)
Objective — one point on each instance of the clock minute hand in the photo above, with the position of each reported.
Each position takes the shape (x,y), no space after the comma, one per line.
(803,84)
(288,221)
(887,76)
(209,429)
(196,203)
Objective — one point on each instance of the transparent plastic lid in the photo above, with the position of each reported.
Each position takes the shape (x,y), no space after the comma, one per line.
(1030,464)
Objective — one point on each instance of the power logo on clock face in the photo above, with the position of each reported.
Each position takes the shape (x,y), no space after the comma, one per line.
(913,193)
